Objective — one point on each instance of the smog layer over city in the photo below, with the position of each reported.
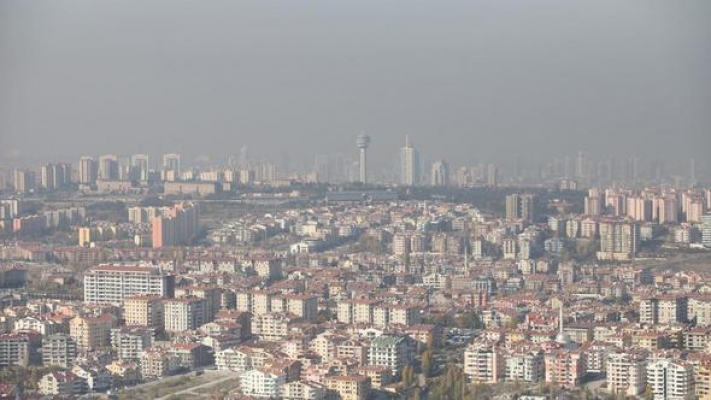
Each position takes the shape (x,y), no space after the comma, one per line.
(366,200)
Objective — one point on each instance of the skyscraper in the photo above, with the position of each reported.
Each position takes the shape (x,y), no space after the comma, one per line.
(581,165)
(139,167)
(518,168)
(108,167)
(244,158)
(439,174)
(363,141)
(171,162)
(692,173)
(618,240)
(706,230)
(322,168)
(24,181)
(409,164)
(171,167)
(47,178)
(87,171)
(492,175)
(177,226)
(519,207)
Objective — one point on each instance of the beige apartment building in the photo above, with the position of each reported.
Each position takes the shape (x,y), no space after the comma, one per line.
(92,332)
(144,310)
(350,387)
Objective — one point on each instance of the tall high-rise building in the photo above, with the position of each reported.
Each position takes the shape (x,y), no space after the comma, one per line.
(322,168)
(519,207)
(439,174)
(409,164)
(692,172)
(363,141)
(138,170)
(177,226)
(244,160)
(108,167)
(618,240)
(24,181)
(88,171)
(171,162)
(55,176)
(47,179)
(492,175)
(581,165)
(706,230)
(517,168)
(593,202)
(632,169)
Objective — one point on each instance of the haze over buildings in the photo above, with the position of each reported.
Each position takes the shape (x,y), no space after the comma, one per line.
(467,80)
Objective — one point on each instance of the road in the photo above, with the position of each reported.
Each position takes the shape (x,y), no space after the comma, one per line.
(191,392)
(219,377)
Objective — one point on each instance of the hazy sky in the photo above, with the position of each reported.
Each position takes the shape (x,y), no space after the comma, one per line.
(466,80)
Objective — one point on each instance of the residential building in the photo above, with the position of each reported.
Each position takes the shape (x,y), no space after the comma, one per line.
(706,230)
(62,383)
(130,341)
(483,363)
(390,351)
(303,390)
(670,380)
(520,207)
(409,165)
(350,387)
(262,382)
(618,240)
(564,368)
(626,372)
(524,366)
(177,226)
(92,332)
(18,349)
(113,283)
(184,314)
(58,350)
(144,310)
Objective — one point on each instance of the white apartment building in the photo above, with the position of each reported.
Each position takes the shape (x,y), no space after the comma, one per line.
(525,366)
(183,314)
(626,374)
(670,380)
(390,351)
(483,363)
(262,383)
(112,283)
(234,359)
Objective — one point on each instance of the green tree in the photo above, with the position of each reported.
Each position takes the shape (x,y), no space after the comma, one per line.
(407,376)
(427,365)
(648,393)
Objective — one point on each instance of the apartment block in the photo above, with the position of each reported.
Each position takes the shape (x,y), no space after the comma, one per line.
(130,341)
(144,310)
(670,380)
(184,314)
(483,363)
(626,372)
(113,283)
(58,350)
(350,387)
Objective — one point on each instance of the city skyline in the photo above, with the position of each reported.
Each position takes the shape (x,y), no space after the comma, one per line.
(477,79)
(323,200)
